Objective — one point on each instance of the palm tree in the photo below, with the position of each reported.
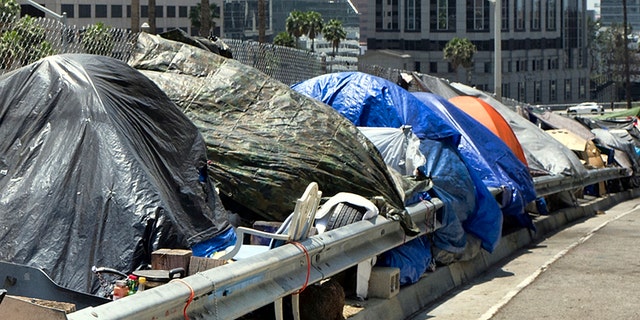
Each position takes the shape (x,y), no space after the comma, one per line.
(205,19)
(315,24)
(135,16)
(296,24)
(195,17)
(334,32)
(284,39)
(459,52)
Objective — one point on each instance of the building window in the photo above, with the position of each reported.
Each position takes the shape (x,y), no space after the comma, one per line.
(537,91)
(537,65)
(443,15)
(521,66)
(477,15)
(116,11)
(552,64)
(128,11)
(487,67)
(159,12)
(582,88)
(101,10)
(521,91)
(505,15)
(506,90)
(68,8)
(182,11)
(519,14)
(144,11)
(171,11)
(551,14)
(535,15)
(553,94)
(412,15)
(433,67)
(567,89)
(84,11)
(416,66)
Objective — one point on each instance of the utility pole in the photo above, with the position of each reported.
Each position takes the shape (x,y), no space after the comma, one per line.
(626,55)
(497,47)
(261,22)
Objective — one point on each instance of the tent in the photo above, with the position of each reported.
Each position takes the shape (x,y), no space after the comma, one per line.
(266,142)
(371,101)
(489,156)
(544,155)
(548,120)
(490,118)
(99,168)
(585,149)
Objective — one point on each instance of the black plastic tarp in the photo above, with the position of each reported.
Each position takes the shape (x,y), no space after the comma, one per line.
(97,167)
(266,141)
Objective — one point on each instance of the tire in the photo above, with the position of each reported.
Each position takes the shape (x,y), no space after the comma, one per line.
(343,214)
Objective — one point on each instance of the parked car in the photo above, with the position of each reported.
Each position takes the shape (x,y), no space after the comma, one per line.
(586,107)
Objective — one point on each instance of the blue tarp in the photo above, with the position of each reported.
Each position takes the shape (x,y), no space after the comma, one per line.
(371,101)
(490,157)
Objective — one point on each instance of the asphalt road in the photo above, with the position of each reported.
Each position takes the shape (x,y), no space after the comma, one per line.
(589,270)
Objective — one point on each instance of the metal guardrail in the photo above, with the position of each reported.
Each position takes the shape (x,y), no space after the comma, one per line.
(547,185)
(233,290)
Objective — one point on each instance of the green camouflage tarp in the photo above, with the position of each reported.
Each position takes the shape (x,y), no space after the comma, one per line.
(266,141)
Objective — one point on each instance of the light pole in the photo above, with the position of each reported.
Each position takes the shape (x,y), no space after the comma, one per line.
(497,46)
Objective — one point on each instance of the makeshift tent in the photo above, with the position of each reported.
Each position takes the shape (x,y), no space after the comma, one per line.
(544,154)
(585,149)
(99,168)
(266,142)
(371,101)
(490,118)
(548,120)
(489,156)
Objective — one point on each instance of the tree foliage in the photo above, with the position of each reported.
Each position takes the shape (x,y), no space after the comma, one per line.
(459,52)
(97,39)
(9,7)
(194,16)
(24,43)
(608,46)
(334,32)
(296,25)
(284,39)
(315,24)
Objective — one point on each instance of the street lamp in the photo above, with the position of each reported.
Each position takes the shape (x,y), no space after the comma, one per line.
(497,64)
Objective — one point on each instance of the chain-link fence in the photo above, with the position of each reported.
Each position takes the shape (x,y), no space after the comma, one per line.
(27,39)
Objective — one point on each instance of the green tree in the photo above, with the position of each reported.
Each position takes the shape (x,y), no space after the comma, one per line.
(284,39)
(24,43)
(195,17)
(97,39)
(9,7)
(609,62)
(314,26)
(334,32)
(296,24)
(459,52)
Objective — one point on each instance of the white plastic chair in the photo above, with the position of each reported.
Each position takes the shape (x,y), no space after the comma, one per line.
(295,228)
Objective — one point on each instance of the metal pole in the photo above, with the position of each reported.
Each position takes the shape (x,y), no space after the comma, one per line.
(497,30)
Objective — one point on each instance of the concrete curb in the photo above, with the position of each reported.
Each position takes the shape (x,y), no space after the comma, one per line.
(434,285)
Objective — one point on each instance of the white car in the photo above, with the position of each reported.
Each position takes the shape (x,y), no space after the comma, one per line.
(586,107)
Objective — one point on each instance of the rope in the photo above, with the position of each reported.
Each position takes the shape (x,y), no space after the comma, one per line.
(191,296)
(306,253)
